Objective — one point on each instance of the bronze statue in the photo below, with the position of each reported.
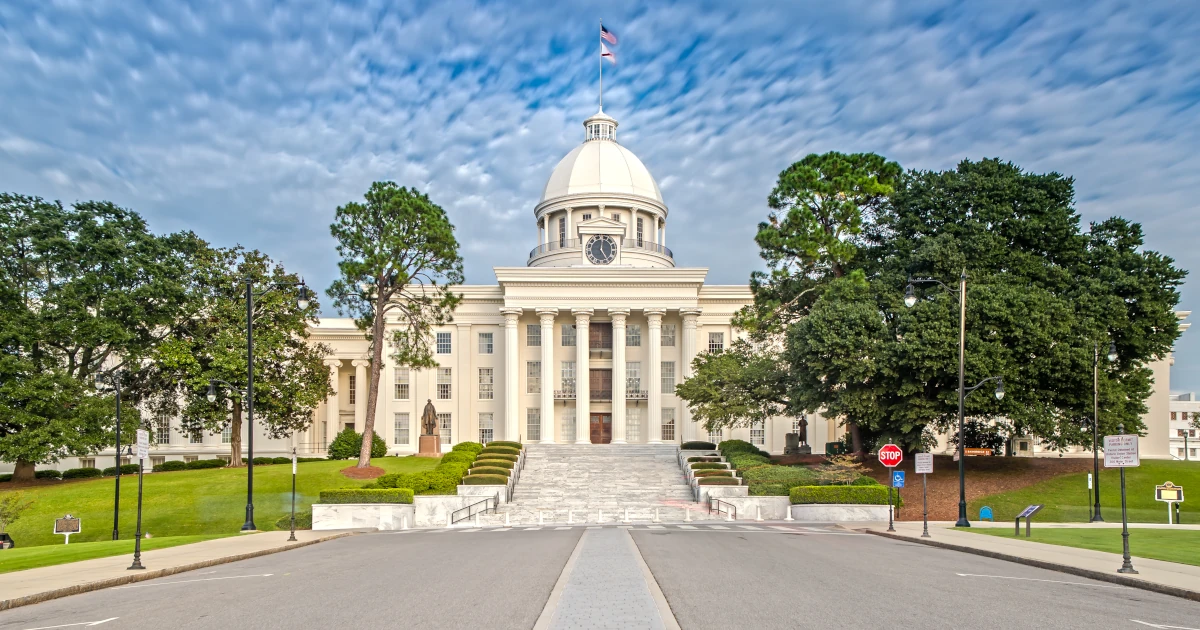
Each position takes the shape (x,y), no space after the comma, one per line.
(429,423)
(802,429)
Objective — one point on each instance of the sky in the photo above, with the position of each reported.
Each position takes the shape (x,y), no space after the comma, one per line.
(249,122)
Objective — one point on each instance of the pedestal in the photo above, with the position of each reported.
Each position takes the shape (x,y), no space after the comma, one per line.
(430,446)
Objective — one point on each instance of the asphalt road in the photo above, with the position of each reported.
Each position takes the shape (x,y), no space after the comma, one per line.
(728,579)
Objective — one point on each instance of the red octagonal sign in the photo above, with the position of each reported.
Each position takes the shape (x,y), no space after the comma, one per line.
(890,455)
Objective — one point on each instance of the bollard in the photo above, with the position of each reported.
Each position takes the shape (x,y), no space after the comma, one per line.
(687,515)
(570,517)
(788,511)
(477,519)
(448,522)
(541,520)
(506,523)
(758,513)
(403,522)
(626,515)
(656,519)
(729,516)
(599,516)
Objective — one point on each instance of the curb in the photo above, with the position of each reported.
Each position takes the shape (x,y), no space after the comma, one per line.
(1052,566)
(38,598)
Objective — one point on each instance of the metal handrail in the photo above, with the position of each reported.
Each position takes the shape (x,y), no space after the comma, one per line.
(555,245)
(729,508)
(495,501)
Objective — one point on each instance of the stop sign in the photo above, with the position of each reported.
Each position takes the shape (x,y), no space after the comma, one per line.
(890,455)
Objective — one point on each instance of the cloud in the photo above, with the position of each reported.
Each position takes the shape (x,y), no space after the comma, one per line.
(250,122)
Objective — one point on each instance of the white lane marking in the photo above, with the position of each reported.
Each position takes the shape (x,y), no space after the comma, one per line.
(751,527)
(655,527)
(782,528)
(228,577)
(532,529)
(687,527)
(94,623)
(1155,625)
(717,527)
(1007,577)
(559,529)
(470,531)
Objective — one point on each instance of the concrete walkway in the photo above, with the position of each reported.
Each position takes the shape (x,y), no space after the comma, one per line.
(1171,578)
(21,588)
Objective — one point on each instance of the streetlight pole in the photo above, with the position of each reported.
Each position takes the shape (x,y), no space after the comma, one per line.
(292,538)
(114,379)
(1112,356)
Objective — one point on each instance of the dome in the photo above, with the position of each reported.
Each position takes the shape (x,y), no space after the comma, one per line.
(600,166)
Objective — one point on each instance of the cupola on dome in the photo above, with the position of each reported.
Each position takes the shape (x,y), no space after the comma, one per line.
(600,166)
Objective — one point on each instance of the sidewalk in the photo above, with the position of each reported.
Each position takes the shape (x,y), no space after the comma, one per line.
(1171,578)
(31,586)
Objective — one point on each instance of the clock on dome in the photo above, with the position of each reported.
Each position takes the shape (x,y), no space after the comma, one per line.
(601,249)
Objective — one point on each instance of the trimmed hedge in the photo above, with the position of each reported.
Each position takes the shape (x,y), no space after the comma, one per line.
(126,469)
(169,466)
(303,521)
(485,480)
(729,447)
(704,459)
(470,447)
(47,474)
(81,473)
(443,479)
(719,481)
(488,470)
(795,475)
(865,481)
(263,461)
(504,456)
(302,460)
(769,490)
(697,446)
(5,477)
(504,450)
(713,473)
(201,464)
(498,463)
(284,460)
(742,461)
(708,466)
(360,495)
(857,495)
(516,445)
(458,457)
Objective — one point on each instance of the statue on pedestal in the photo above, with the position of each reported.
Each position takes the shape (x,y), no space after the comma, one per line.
(430,442)
(797,443)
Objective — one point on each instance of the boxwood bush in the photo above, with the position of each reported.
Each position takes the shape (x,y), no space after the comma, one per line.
(697,446)
(865,481)
(49,473)
(713,473)
(263,461)
(361,495)
(488,470)
(458,457)
(171,465)
(769,490)
(302,460)
(719,481)
(516,445)
(504,456)
(506,450)
(709,466)
(5,477)
(858,495)
(199,464)
(742,461)
(348,444)
(795,475)
(81,473)
(303,521)
(485,480)
(498,463)
(729,447)
(126,469)
(470,447)
(443,479)
(704,459)
(284,460)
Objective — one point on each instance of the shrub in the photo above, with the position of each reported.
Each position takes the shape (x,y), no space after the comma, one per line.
(458,457)
(782,474)
(709,466)
(697,446)
(504,456)
(713,473)
(81,473)
(303,521)
(5,477)
(704,459)
(47,474)
(470,447)
(303,460)
(348,444)
(171,465)
(841,470)
(488,470)
(498,463)
(360,495)
(729,447)
(504,450)
(201,464)
(769,490)
(719,481)
(742,461)
(865,481)
(263,461)
(485,480)
(283,460)
(859,495)
(516,445)
(126,469)
(441,480)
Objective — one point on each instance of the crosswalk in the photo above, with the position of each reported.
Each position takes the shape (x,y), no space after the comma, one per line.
(730,527)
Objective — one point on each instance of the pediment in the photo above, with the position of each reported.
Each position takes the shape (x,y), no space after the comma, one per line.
(602,225)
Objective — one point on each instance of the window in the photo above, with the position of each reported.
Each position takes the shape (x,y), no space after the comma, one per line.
(587,216)
(445,426)
(633,335)
(486,430)
(445,383)
(715,436)
(668,335)
(533,335)
(616,216)
(485,343)
(533,423)
(486,380)
(562,232)
(227,434)
(568,375)
(1184,416)
(196,437)
(187,459)
(640,230)
(668,377)
(87,462)
(758,433)
(157,460)
(162,430)
(716,341)
(533,377)
(443,343)
(353,389)
(633,377)
(633,424)
(568,335)
(400,428)
(224,458)
(401,383)
(668,424)
(568,425)
(1173,415)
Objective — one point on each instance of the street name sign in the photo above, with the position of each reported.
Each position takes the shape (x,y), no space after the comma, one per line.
(897,478)
(890,455)
(143,444)
(924,463)
(1121,451)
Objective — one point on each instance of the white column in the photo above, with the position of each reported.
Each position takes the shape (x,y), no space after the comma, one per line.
(583,381)
(360,393)
(468,387)
(618,378)
(547,316)
(654,376)
(333,412)
(690,315)
(662,238)
(512,374)
(567,212)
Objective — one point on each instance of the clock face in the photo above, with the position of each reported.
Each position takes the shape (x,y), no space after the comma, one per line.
(601,249)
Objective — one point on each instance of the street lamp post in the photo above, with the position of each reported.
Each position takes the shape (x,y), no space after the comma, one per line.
(910,300)
(1111,356)
(292,538)
(114,379)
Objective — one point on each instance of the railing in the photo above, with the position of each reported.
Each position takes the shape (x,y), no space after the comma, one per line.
(564,394)
(722,507)
(555,245)
(516,474)
(649,246)
(636,394)
(576,244)
(473,509)
(600,394)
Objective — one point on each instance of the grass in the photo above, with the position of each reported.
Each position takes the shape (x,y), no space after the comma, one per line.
(22,558)
(187,503)
(1171,545)
(1067,500)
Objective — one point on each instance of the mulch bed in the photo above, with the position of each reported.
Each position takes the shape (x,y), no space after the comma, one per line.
(370,472)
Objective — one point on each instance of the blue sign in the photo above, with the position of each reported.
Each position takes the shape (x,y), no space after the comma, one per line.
(898,479)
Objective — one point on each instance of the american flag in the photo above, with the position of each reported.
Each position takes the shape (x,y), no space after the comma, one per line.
(607,36)
(605,53)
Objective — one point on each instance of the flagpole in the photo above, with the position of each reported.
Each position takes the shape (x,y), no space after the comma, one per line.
(601,60)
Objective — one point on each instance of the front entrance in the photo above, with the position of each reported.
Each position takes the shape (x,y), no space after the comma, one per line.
(601,428)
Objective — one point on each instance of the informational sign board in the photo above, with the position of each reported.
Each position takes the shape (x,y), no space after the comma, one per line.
(978,452)
(1030,511)
(1121,451)
(890,455)
(924,463)
(897,478)
(66,526)
(1169,492)
(143,444)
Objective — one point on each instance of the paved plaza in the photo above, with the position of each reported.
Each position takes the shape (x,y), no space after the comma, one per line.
(705,575)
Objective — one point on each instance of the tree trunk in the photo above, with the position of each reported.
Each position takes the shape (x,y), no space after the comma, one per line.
(235,430)
(377,341)
(23,471)
(856,439)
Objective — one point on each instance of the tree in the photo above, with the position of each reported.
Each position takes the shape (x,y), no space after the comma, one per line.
(12,505)
(745,384)
(399,256)
(290,379)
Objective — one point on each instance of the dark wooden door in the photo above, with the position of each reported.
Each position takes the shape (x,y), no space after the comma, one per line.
(600,335)
(601,428)
(600,384)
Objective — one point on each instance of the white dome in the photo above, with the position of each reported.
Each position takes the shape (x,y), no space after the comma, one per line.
(600,165)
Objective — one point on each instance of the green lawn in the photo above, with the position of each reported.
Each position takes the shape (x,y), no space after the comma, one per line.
(23,558)
(1066,497)
(187,503)
(1171,545)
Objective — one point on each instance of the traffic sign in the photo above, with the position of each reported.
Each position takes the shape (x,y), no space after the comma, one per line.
(890,455)
(897,478)
(1121,451)
(143,444)
(924,463)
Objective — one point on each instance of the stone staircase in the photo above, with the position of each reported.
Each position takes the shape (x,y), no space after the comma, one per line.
(598,483)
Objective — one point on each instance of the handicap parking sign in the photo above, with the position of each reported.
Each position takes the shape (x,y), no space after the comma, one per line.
(898,479)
